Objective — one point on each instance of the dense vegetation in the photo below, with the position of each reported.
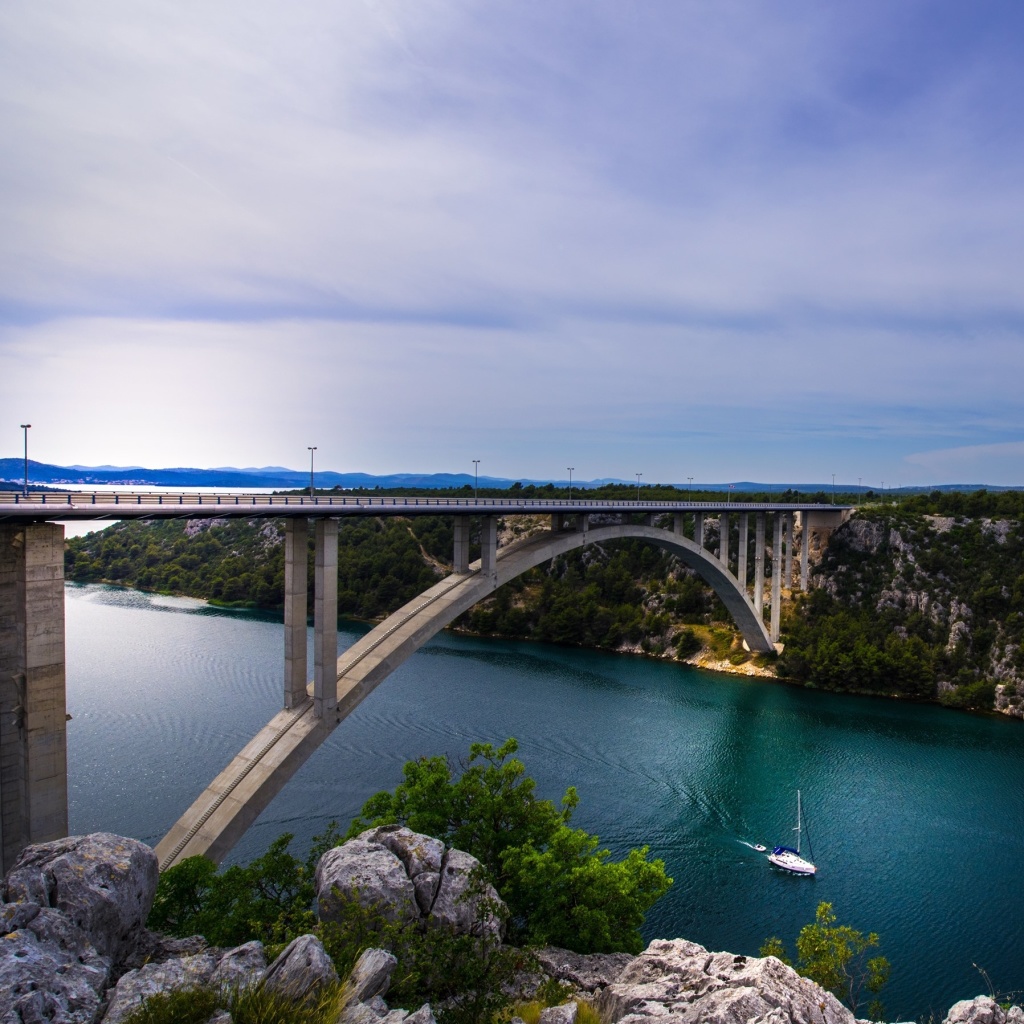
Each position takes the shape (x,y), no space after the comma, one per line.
(916,606)
(559,887)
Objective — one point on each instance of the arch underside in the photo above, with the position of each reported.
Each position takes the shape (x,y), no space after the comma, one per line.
(231,803)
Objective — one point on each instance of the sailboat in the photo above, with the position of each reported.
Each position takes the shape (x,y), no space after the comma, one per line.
(786,857)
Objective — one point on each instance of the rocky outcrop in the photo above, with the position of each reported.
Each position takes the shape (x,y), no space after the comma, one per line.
(302,969)
(103,883)
(408,877)
(679,982)
(983,1010)
(586,972)
(49,970)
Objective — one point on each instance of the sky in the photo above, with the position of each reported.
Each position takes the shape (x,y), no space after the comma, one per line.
(724,240)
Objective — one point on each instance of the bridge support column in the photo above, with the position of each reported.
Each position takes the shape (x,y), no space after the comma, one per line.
(33,707)
(582,523)
(741,551)
(776,619)
(698,529)
(805,551)
(296,569)
(557,522)
(488,545)
(759,564)
(461,559)
(723,539)
(325,618)
(787,576)
(679,524)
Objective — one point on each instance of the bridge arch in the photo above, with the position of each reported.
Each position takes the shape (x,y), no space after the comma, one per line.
(222,813)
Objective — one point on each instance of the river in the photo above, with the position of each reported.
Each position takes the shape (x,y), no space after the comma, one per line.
(915,813)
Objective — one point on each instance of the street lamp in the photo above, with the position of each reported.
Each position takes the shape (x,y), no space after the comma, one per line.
(689,486)
(24,427)
(638,486)
(833,488)
(312,448)
(476,479)
(570,468)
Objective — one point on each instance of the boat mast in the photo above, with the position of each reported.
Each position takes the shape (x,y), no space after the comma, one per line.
(797,821)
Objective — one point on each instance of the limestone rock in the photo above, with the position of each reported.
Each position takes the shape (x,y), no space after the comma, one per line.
(371,975)
(460,895)
(302,969)
(49,971)
(359,1013)
(424,1015)
(564,1014)
(240,967)
(680,982)
(104,883)
(417,852)
(154,948)
(586,972)
(369,872)
(136,986)
(982,1010)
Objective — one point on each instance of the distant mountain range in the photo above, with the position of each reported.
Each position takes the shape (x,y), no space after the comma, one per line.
(12,471)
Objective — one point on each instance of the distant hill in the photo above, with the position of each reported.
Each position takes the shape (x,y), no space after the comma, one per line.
(12,471)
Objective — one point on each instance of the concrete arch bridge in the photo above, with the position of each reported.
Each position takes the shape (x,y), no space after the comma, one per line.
(33,782)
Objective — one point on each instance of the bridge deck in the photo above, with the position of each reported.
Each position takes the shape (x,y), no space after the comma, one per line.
(44,506)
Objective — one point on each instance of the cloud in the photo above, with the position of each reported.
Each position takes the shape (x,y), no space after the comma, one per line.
(776,227)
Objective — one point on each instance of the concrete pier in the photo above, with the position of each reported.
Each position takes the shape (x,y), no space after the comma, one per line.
(296,612)
(805,551)
(741,550)
(489,545)
(33,710)
(325,618)
(759,564)
(698,529)
(787,577)
(776,614)
(723,539)
(461,559)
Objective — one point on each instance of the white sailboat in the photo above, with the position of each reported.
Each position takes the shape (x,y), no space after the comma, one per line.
(786,857)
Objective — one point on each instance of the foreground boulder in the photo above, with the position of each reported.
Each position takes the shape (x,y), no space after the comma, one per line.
(49,970)
(679,982)
(408,877)
(103,883)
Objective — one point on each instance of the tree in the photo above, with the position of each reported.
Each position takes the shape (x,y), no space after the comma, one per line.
(559,887)
(836,957)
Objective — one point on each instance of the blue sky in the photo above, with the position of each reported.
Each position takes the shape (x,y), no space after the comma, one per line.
(759,240)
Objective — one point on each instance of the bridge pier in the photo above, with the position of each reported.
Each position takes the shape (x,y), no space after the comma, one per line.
(325,618)
(679,524)
(776,613)
(489,545)
(698,529)
(759,564)
(461,559)
(787,578)
(723,539)
(33,707)
(296,614)
(742,551)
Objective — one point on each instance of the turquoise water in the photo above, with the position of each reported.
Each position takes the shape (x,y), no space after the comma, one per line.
(915,813)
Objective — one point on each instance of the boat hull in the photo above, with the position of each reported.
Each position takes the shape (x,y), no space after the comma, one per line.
(791,861)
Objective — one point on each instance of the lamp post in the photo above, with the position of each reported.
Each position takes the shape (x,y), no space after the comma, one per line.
(689,485)
(24,427)
(728,496)
(312,448)
(570,468)
(833,488)
(638,486)
(476,479)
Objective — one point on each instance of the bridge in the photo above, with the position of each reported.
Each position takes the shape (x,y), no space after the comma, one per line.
(33,749)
